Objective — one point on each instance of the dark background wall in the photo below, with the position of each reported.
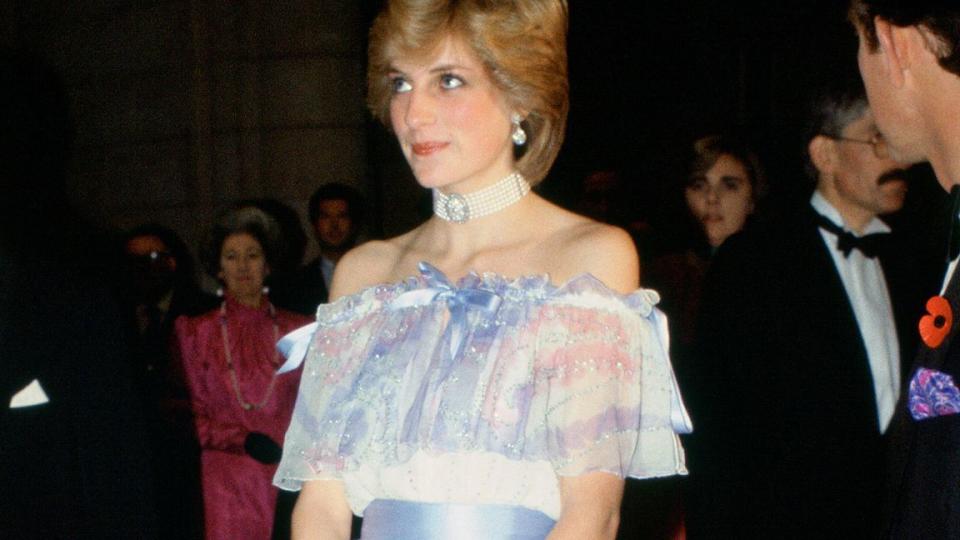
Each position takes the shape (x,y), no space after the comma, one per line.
(180,107)
(649,77)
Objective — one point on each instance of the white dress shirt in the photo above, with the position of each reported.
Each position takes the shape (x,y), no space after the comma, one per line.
(326,269)
(866,289)
(951,268)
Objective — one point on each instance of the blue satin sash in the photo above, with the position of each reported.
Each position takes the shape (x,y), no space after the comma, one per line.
(387,519)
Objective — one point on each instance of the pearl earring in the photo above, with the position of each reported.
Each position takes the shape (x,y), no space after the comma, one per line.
(519,136)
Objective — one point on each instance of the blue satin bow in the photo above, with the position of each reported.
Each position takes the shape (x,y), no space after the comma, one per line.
(459,301)
(295,344)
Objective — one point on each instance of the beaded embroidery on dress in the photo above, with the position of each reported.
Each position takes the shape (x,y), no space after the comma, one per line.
(484,391)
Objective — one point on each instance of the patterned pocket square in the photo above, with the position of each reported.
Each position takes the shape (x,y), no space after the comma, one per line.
(932,394)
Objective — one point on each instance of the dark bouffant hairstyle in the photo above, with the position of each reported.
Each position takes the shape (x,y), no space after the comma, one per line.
(243,220)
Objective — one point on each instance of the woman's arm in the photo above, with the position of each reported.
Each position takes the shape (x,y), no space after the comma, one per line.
(590,503)
(590,506)
(322,512)
(212,433)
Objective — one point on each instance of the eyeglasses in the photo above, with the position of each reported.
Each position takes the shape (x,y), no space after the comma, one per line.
(878,143)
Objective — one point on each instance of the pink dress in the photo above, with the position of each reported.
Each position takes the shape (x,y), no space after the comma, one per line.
(238,497)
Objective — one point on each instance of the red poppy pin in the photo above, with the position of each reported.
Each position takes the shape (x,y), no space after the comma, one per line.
(936,324)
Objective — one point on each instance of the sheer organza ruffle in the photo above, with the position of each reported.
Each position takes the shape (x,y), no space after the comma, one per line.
(575,376)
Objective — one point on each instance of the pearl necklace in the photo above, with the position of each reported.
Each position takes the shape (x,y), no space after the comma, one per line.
(233,373)
(462,208)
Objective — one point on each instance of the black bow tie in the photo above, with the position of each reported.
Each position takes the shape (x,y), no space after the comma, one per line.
(868,244)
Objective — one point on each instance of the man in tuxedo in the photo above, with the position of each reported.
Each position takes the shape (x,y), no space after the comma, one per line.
(910,62)
(797,364)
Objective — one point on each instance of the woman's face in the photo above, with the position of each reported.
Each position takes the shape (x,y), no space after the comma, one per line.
(452,122)
(721,199)
(243,267)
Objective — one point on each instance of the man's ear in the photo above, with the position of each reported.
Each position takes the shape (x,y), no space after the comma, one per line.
(822,151)
(895,46)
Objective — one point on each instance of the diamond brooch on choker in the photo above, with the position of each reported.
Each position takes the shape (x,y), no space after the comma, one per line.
(462,208)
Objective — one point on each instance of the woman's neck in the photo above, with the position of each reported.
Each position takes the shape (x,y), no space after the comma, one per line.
(498,243)
(250,300)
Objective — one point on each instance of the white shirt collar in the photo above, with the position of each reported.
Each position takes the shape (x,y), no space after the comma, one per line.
(822,205)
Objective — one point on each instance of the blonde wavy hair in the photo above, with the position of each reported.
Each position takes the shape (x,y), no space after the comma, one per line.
(521,44)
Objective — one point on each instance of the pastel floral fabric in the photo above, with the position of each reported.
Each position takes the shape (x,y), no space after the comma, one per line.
(494,372)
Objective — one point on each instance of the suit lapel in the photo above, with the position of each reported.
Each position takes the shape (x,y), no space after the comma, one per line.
(832,321)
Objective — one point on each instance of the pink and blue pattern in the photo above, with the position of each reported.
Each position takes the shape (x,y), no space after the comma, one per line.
(574,375)
(932,394)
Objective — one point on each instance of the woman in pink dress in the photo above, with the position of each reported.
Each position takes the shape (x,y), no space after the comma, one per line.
(241,406)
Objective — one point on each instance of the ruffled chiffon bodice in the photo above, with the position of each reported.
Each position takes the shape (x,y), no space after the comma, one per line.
(484,391)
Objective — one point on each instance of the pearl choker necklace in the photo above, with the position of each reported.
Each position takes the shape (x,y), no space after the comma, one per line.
(462,208)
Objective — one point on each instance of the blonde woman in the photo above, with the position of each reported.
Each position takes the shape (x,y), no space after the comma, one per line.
(493,373)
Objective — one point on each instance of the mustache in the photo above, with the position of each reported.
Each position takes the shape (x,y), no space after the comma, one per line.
(891,176)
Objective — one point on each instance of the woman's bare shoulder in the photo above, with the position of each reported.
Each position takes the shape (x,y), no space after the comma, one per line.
(365,265)
(605,251)
(371,263)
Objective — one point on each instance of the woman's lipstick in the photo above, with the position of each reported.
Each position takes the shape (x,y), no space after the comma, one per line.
(427,148)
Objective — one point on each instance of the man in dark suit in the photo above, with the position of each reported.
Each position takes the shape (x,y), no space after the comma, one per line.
(73,456)
(910,61)
(160,285)
(798,356)
(336,212)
